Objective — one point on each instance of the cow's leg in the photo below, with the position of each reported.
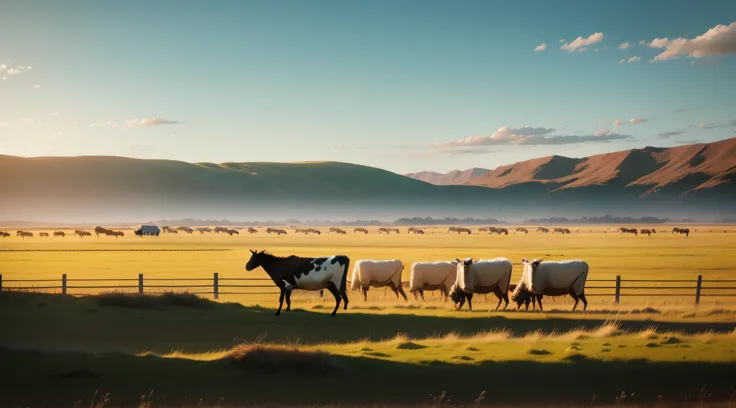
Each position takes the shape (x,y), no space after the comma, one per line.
(336,293)
(470,301)
(401,291)
(498,294)
(539,300)
(421,293)
(393,289)
(575,298)
(288,300)
(585,301)
(281,302)
(445,292)
(462,303)
(364,289)
(344,296)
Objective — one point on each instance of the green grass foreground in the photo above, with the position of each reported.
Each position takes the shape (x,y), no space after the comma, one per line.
(59,350)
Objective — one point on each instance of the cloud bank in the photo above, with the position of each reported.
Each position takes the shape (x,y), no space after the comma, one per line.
(541,47)
(145,122)
(718,40)
(529,136)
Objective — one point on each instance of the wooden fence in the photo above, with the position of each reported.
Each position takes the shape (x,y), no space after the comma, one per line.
(615,288)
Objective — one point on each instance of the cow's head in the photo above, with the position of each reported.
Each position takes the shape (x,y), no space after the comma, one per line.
(256,259)
(457,294)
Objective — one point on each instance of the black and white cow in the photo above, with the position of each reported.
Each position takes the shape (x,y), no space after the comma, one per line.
(294,272)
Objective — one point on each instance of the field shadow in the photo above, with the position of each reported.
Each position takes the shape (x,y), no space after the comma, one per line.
(65,323)
(34,377)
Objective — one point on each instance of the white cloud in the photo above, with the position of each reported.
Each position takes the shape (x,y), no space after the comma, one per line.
(36,86)
(624,46)
(541,47)
(718,40)
(7,70)
(634,121)
(528,136)
(603,132)
(642,42)
(561,41)
(580,44)
(150,122)
(629,60)
(618,122)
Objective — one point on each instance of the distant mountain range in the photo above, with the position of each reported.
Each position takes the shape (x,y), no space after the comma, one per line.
(685,181)
(651,170)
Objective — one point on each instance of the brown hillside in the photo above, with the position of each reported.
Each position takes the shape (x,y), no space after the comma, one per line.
(678,170)
(448,179)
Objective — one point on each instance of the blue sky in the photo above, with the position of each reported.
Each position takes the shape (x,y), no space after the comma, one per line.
(402,85)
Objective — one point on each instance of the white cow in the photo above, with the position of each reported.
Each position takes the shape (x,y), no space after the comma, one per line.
(387,273)
(481,277)
(438,275)
(554,278)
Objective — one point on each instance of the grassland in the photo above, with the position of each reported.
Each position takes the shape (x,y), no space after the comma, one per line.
(58,350)
(664,256)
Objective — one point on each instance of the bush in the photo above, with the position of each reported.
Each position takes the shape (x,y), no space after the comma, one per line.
(143,301)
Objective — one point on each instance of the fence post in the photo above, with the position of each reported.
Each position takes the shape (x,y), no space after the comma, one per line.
(63,284)
(140,283)
(698,288)
(618,289)
(216,285)
(1,282)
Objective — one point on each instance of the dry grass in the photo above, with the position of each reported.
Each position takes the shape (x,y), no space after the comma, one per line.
(145,301)
(279,358)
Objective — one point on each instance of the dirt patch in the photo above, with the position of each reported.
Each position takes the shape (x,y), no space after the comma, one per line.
(410,346)
(281,359)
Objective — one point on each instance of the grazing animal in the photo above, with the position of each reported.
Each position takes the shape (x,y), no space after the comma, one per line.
(168,230)
(252,230)
(646,231)
(82,234)
(202,230)
(524,230)
(483,229)
(526,297)
(59,234)
(185,229)
(415,230)
(232,232)
(101,230)
(419,231)
(294,272)
(503,231)
(461,230)
(340,231)
(554,278)
(24,234)
(276,231)
(304,231)
(4,234)
(681,231)
(115,234)
(378,274)
(363,230)
(562,231)
(314,231)
(481,277)
(543,230)
(429,276)
(43,234)
(384,229)
(625,230)
(221,229)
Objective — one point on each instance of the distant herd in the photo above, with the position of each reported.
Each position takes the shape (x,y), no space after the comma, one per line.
(457,280)
(339,231)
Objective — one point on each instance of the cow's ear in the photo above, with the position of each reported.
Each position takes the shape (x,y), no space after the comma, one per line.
(457,260)
(252,251)
(262,252)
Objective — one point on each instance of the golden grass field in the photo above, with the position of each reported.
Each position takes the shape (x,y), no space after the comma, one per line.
(709,252)
(60,349)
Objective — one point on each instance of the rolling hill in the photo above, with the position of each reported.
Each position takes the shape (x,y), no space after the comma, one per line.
(683,181)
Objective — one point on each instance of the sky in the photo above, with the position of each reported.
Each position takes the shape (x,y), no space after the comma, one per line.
(405,85)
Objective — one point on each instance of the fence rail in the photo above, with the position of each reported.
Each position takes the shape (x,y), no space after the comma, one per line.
(697,289)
